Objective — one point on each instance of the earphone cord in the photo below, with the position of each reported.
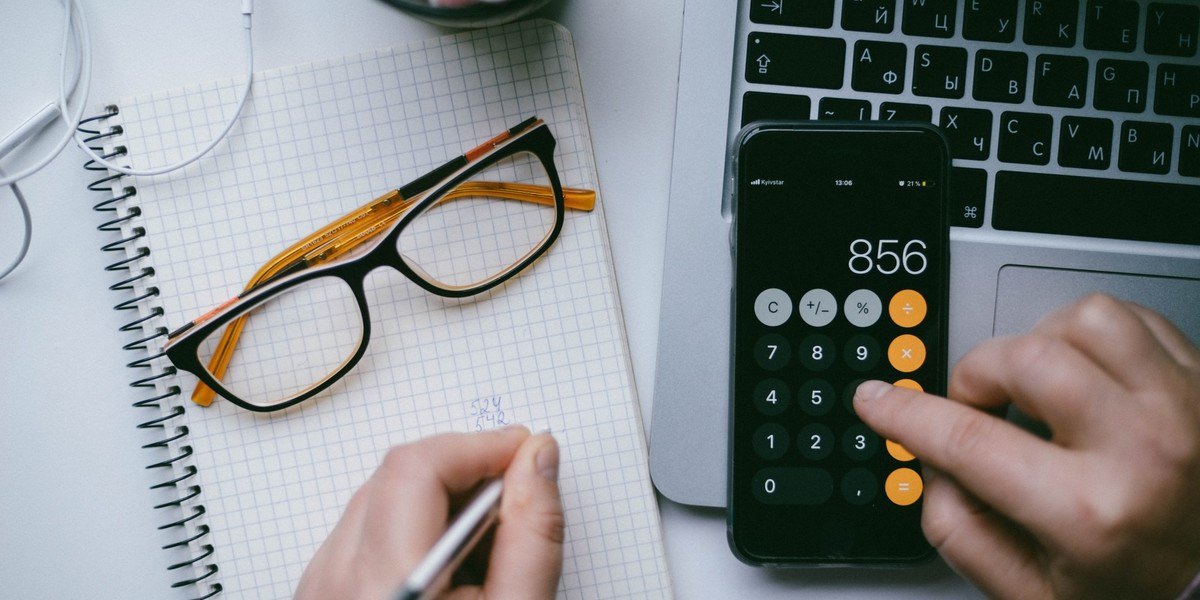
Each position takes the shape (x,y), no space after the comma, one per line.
(75,23)
(27,236)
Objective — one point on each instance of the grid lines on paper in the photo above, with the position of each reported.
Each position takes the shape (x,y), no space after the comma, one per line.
(546,349)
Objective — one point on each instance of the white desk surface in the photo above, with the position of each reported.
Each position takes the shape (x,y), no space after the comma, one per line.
(75,520)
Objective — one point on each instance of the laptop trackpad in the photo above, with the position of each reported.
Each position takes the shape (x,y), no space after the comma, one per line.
(1026,294)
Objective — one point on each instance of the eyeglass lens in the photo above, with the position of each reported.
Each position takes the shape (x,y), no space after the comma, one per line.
(290,342)
(477,232)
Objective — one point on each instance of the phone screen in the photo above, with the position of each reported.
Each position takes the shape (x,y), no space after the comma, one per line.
(840,275)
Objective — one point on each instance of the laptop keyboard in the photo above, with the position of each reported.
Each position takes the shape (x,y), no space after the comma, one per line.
(1072,118)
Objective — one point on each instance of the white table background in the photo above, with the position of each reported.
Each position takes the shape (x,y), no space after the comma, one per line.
(75,519)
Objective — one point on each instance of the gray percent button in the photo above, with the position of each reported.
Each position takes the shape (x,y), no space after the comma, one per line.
(862,308)
(817,307)
(772,307)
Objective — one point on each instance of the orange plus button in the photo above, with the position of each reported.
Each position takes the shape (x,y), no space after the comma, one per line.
(903,486)
(899,452)
(907,308)
(906,353)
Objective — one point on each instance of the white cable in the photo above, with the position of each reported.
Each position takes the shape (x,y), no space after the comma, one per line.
(28,235)
(72,20)
(247,9)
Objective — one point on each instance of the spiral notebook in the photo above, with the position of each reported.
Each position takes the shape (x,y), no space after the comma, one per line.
(249,497)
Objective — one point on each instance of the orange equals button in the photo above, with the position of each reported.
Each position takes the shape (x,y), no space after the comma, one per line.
(903,486)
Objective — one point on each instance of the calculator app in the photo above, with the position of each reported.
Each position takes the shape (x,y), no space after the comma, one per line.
(840,271)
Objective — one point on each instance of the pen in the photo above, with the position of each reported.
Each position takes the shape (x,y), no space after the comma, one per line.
(433,572)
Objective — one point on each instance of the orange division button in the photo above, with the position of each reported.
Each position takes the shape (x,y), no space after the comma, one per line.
(907,308)
(903,486)
(899,452)
(906,353)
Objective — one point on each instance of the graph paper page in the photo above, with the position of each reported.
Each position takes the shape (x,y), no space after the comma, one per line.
(547,350)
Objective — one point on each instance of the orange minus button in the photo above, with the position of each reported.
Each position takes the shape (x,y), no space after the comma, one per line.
(906,353)
(903,486)
(899,452)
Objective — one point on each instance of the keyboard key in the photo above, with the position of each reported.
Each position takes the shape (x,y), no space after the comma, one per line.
(1177,90)
(1085,143)
(929,18)
(939,71)
(1172,29)
(1110,25)
(797,13)
(1025,138)
(1060,81)
(1121,85)
(878,67)
(969,131)
(899,111)
(1051,22)
(1109,208)
(1189,151)
(797,60)
(1146,147)
(1000,76)
(758,106)
(842,109)
(875,16)
(968,196)
(990,20)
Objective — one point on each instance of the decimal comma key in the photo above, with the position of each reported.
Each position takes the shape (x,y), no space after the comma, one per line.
(792,485)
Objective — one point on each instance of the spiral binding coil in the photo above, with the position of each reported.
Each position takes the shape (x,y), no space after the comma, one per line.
(94,128)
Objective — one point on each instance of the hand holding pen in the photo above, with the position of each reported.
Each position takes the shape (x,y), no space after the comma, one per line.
(398,515)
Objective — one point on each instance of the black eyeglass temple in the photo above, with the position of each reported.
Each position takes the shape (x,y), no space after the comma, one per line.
(426,181)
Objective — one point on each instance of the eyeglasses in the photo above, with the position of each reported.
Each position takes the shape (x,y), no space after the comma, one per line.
(302,322)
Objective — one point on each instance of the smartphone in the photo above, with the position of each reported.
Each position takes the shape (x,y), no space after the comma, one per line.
(840,247)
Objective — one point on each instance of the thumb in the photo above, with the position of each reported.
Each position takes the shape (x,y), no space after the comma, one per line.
(526,558)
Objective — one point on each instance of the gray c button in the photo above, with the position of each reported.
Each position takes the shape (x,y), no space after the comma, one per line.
(772,307)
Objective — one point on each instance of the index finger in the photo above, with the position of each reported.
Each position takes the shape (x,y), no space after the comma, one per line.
(1006,467)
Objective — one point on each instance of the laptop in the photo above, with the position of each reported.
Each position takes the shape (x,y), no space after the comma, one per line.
(1075,131)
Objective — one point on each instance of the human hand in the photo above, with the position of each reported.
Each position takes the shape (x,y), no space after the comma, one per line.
(398,514)
(1110,505)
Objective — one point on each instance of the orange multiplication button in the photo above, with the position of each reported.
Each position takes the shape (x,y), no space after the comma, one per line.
(906,353)
(899,452)
(903,486)
(907,308)
(908,383)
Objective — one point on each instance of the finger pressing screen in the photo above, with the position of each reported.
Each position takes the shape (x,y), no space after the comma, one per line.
(999,463)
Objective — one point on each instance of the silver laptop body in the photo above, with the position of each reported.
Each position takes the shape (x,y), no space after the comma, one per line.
(1002,281)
